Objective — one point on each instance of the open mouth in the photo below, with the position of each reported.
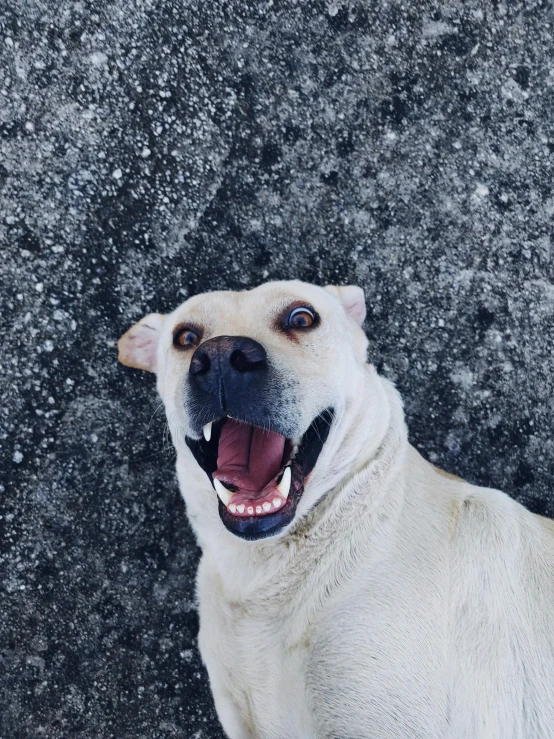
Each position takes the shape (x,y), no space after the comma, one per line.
(258,474)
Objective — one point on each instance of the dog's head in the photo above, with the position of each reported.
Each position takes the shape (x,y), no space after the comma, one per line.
(257,384)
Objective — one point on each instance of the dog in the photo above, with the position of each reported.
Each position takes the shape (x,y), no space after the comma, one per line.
(347,588)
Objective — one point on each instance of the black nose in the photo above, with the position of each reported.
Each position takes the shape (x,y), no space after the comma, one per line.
(228,375)
(237,352)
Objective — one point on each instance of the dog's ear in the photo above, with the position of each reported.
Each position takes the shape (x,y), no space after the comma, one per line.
(352,298)
(138,347)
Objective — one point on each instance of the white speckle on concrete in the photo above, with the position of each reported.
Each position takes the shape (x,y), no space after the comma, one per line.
(98,58)
(481,191)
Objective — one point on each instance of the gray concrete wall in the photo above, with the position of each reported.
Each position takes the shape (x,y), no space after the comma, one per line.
(151,150)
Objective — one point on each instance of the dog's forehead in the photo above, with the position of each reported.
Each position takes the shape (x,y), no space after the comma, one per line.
(226,307)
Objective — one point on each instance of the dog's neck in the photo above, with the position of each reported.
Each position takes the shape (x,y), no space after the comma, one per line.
(346,516)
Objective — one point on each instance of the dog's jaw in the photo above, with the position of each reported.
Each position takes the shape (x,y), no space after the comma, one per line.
(257,514)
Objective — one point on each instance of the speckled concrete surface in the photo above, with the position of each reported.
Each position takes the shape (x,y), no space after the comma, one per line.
(150,150)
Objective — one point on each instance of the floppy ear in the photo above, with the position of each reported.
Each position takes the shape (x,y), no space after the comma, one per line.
(352,298)
(138,347)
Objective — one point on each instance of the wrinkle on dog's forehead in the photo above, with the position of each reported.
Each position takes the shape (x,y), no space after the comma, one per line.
(207,309)
(229,312)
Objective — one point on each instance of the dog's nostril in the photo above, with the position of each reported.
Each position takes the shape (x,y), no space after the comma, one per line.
(200,363)
(238,361)
(245,362)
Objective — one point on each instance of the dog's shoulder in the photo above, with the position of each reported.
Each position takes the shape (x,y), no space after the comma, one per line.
(494,538)
(447,475)
(480,514)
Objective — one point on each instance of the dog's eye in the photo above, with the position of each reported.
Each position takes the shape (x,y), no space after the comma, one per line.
(301,318)
(185,338)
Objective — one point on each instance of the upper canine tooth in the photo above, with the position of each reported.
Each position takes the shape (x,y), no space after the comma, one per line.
(222,492)
(207,431)
(284,486)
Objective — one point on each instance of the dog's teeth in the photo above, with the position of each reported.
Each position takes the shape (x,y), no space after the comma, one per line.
(266,506)
(277,502)
(294,451)
(232,508)
(258,509)
(284,486)
(297,442)
(207,431)
(250,509)
(240,508)
(223,494)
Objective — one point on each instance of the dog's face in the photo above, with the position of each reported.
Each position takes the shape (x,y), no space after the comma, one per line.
(254,383)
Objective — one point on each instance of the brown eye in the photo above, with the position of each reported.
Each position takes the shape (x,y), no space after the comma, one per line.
(185,338)
(301,318)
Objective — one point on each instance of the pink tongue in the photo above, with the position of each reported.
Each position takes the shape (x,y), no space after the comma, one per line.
(248,456)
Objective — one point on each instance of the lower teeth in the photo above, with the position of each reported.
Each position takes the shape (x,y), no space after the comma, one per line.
(266,507)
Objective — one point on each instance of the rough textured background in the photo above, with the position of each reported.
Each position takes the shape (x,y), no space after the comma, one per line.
(150,150)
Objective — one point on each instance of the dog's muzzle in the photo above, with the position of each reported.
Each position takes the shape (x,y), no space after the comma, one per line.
(255,461)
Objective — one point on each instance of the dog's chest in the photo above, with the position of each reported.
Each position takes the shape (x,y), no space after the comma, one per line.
(260,659)
(271,669)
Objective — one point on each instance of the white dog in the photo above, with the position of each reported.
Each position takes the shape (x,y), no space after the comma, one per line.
(347,589)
